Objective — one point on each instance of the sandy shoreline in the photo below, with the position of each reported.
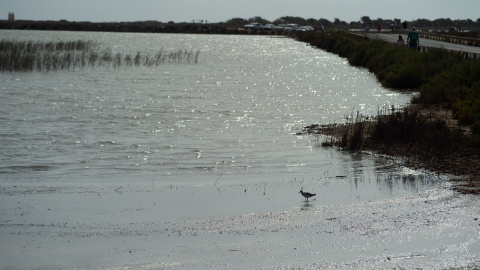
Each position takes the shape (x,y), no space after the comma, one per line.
(227,226)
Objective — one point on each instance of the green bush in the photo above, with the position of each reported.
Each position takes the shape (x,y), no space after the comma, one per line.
(441,77)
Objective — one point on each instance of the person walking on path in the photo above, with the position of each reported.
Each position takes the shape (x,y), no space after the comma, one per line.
(413,40)
(400,41)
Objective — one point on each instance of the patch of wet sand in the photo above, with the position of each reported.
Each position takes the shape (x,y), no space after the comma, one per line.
(234,227)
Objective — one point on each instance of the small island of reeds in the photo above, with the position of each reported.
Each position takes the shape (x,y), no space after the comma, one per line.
(71,55)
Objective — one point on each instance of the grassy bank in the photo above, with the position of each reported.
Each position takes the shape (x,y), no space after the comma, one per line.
(439,131)
(440,77)
(51,56)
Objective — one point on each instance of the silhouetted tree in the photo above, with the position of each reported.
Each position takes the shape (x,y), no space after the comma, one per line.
(366,20)
(258,19)
(290,19)
(236,22)
(325,22)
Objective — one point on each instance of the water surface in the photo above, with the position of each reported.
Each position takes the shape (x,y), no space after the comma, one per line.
(235,113)
(138,166)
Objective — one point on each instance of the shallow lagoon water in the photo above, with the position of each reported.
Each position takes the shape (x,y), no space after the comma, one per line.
(199,165)
(235,113)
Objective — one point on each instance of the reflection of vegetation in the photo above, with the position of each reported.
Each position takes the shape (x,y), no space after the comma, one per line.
(49,56)
(440,76)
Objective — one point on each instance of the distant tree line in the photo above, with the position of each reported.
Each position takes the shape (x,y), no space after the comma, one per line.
(141,26)
(364,21)
(232,26)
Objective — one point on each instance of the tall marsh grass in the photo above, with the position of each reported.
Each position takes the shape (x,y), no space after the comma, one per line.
(70,55)
(408,126)
(393,126)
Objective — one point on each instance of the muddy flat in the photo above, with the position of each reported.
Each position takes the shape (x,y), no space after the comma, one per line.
(252,226)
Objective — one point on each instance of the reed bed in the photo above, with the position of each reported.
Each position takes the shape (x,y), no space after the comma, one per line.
(392,126)
(71,55)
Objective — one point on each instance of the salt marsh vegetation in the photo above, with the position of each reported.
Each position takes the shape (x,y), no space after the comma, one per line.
(71,55)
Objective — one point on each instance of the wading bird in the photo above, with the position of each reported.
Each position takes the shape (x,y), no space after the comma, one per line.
(306,194)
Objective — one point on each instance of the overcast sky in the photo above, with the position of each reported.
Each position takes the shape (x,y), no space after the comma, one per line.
(223,10)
